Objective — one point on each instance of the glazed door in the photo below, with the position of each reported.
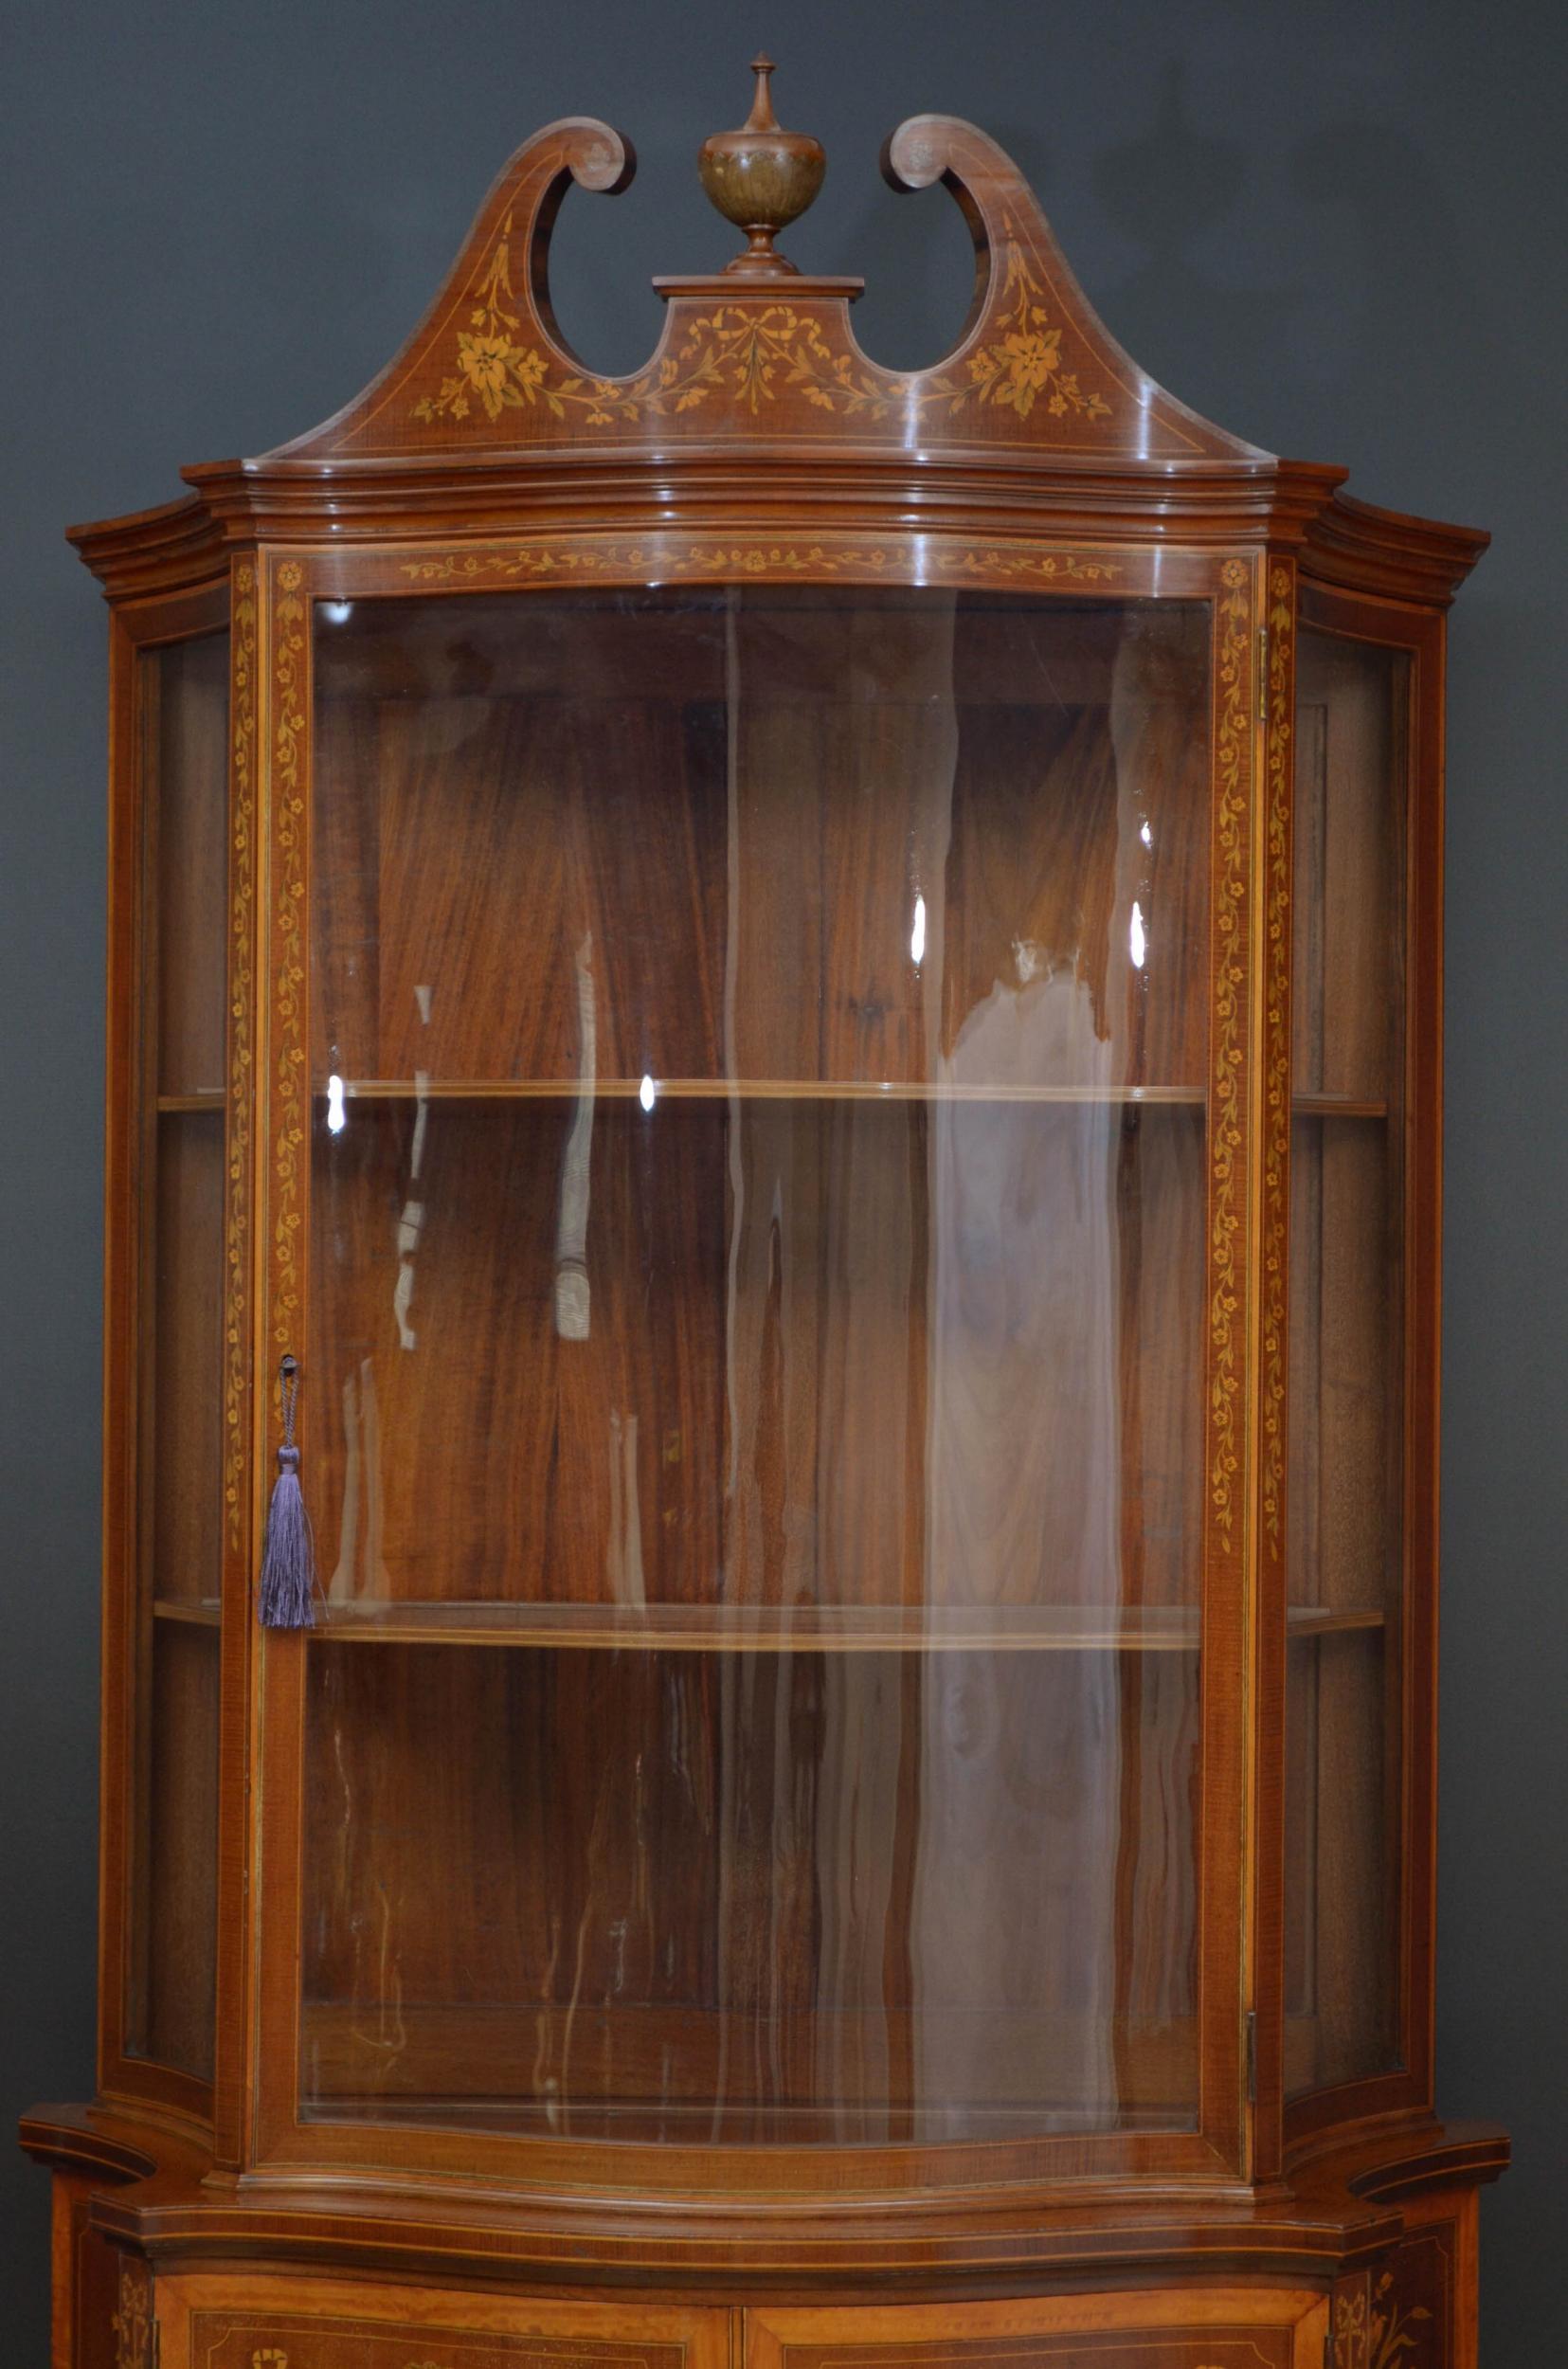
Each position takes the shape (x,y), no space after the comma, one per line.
(755,1308)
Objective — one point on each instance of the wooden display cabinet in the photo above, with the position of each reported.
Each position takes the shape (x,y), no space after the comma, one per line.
(810,996)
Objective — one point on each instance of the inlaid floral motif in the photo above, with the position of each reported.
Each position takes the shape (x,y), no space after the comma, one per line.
(1350,2327)
(290,661)
(742,356)
(1024,364)
(746,559)
(1230,968)
(242,979)
(1276,1122)
(1393,2337)
(988,563)
(133,2321)
(992,562)
(741,353)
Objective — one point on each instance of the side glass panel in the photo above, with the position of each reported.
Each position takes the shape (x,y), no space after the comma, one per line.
(179,1451)
(755,1367)
(1346,1380)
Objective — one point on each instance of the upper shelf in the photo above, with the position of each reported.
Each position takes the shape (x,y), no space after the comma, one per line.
(652,1091)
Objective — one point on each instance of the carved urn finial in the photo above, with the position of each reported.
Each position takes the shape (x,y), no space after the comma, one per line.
(760,177)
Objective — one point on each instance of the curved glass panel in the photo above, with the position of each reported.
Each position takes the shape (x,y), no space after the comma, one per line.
(756,1363)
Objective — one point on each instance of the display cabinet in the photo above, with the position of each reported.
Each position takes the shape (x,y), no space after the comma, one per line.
(775,1027)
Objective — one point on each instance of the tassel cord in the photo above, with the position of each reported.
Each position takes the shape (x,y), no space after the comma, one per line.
(286,1598)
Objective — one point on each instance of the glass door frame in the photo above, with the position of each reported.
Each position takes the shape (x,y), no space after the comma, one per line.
(137,631)
(1218,2151)
(1419,635)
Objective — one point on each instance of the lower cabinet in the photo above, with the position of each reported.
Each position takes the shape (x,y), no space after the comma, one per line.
(221,2322)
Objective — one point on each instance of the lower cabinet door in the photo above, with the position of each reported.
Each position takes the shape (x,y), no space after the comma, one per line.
(1187,2327)
(214,2321)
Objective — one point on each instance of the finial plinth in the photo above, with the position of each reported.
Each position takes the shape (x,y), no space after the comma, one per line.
(761,178)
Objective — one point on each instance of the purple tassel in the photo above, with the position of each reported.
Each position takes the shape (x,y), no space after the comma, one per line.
(288,1562)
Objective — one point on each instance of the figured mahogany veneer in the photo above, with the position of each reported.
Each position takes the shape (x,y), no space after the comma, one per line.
(863,1790)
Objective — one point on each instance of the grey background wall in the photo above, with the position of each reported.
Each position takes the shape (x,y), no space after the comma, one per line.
(1341,228)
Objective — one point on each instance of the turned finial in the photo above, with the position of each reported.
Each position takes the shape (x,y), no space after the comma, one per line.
(761,178)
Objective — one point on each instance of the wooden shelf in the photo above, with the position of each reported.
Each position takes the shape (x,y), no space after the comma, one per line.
(665,2065)
(201,1612)
(1337,1106)
(1334,1106)
(748,1090)
(814,1629)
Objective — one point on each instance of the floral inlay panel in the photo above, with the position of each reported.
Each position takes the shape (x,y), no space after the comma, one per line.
(242,990)
(742,356)
(1227,1200)
(133,2324)
(640,560)
(290,700)
(1281,699)
(1021,365)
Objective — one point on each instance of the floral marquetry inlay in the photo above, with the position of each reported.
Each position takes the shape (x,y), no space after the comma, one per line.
(134,2325)
(291,1117)
(1024,360)
(1276,968)
(741,355)
(1379,2324)
(658,562)
(746,354)
(241,988)
(1227,1207)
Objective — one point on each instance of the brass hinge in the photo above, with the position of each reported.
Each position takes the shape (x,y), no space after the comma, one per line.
(1252,2056)
(1263,673)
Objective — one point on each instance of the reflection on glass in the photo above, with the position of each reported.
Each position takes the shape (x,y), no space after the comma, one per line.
(758,1212)
(761,1897)
(168,2005)
(1345,1550)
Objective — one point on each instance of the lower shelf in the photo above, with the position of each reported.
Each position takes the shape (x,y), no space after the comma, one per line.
(660,2072)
